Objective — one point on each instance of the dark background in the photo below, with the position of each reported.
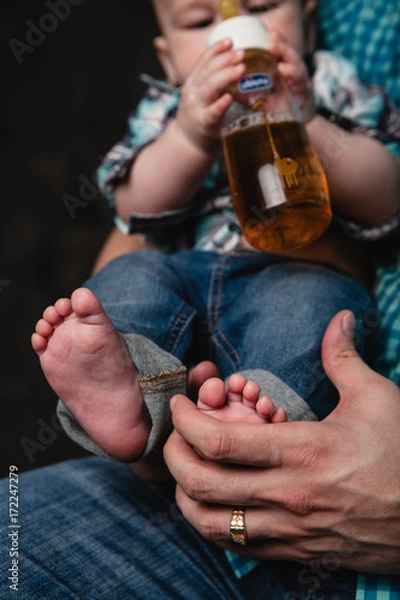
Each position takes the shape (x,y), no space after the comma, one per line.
(62,108)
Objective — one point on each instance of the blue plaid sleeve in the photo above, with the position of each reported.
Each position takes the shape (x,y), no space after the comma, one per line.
(367,33)
(387,293)
(370,587)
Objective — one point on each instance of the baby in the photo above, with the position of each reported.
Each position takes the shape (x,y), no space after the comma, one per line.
(130,333)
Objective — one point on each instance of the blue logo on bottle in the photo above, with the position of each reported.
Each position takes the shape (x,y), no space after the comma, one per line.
(254,82)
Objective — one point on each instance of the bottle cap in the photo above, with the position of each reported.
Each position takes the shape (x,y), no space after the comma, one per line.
(245,31)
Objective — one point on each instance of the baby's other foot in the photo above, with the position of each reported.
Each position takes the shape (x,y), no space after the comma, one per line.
(87,364)
(239,401)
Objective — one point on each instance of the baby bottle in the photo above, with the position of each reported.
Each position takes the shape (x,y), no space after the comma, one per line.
(278,187)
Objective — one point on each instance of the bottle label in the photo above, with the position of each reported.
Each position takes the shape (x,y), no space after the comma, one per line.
(255,82)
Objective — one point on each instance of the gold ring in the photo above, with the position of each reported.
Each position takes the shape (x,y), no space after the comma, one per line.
(237,529)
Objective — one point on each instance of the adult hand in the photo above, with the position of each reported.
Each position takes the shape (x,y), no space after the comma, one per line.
(312,491)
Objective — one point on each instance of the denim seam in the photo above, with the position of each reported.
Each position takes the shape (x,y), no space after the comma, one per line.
(165,379)
(217,278)
(177,328)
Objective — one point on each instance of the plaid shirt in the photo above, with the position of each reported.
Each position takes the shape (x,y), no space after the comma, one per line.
(367,32)
(211,224)
(373,587)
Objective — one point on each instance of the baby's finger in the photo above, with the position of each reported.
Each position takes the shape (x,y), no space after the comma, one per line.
(217,109)
(212,53)
(214,50)
(219,81)
(212,79)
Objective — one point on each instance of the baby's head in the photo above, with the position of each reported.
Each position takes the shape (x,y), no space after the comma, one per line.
(186,24)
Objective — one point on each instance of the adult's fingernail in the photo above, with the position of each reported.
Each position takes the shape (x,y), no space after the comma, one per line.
(349,324)
(172,403)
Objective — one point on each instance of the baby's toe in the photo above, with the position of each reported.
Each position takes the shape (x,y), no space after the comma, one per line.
(44,328)
(279,415)
(39,343)
(52,316)
(251,393)
(64,307)
(212,394)
(265,407)
(235,387)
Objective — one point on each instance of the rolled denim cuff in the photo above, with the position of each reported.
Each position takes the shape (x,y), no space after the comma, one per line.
(281,394)
(161,375)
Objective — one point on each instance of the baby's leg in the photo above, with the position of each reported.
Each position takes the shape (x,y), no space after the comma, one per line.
(87,364)
(239,401)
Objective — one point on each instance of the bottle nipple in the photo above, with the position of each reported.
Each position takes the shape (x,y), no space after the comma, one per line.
(228,9)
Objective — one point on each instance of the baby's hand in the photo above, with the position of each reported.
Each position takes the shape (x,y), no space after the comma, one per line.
(293,70)
(204,100)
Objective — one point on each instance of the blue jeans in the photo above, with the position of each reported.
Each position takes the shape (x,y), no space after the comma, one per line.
(244,311)
(259,314)
(91,530)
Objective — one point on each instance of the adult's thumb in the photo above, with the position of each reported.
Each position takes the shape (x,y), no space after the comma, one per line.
(341,361)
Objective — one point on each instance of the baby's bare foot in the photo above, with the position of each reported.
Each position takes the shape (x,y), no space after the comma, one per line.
(87,364)
(240,402)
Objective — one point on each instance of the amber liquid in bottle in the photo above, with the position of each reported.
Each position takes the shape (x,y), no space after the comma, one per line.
(275,215)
